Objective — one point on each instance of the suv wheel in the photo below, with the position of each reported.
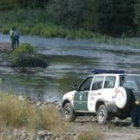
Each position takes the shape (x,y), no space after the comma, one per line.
(69,112)
(124,98)
(102,114)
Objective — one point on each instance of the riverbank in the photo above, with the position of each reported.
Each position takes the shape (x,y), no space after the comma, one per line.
(21,124)
(23,118)
(41,23)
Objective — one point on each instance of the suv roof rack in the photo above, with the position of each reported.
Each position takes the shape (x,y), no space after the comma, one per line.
(100,71)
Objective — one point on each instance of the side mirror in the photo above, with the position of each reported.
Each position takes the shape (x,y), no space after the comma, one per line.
(75,87)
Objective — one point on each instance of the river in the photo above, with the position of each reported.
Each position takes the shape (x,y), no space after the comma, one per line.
(70,62)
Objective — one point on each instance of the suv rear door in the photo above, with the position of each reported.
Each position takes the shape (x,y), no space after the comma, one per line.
(109,87)
(95,92)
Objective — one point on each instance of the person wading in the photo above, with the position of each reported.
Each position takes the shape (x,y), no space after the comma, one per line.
(14,36)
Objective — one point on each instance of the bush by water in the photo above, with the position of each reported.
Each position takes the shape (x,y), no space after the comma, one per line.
(26,56)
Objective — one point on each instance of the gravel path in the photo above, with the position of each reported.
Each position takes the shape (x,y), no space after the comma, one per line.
(112,131)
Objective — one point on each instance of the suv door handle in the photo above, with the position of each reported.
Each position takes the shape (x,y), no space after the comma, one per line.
(99,93)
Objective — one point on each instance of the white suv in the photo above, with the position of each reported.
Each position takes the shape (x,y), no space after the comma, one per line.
(105,93)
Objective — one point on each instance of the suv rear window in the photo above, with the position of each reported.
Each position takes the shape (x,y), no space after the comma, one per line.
(132,82)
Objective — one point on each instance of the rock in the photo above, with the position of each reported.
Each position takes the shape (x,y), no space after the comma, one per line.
(39,103)
(21,98)
(43,135)
(49,136)
(24,135)
(66,136)
(9,137)
(15,133)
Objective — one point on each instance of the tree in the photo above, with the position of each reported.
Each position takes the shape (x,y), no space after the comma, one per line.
(66,12)
(90,15)
(137,15)
(8,4)
(32,3)
(75,13)
(116,16)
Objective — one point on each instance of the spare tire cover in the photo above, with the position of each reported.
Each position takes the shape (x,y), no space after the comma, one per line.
(121,97)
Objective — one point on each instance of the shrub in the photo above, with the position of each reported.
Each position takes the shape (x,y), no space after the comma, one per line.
(12,112)
(116,17)
(26,56)
(47,118)
(22,114)
(24,49)
(75,14)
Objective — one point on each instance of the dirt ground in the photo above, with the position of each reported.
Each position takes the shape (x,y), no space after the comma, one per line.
(117,130)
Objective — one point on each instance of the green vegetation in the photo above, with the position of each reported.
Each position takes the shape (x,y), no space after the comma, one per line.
(26,56)
(19,114)
(137,15)
(89,136)
(117,17)
(24,48)
(110,40)
(28,21)
(70,18)
(41,22)
(38,22)
(75,14)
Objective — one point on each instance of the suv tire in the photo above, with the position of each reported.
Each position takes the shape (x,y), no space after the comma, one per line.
(102,114)
(69,112)
(124,98)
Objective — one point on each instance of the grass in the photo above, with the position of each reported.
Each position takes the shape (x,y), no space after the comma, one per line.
(24,48)
(98,38)
(31,22)
(14,113)
(93,135)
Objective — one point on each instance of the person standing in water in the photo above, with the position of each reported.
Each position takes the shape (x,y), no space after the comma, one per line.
(14,36)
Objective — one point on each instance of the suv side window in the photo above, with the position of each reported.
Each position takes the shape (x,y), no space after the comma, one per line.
(86,84)
(110,82)
(97,83)
(122,78)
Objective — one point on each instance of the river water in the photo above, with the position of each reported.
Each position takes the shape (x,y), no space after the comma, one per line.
(70,61)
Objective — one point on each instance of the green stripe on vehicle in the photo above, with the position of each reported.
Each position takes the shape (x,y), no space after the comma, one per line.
(80,100)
